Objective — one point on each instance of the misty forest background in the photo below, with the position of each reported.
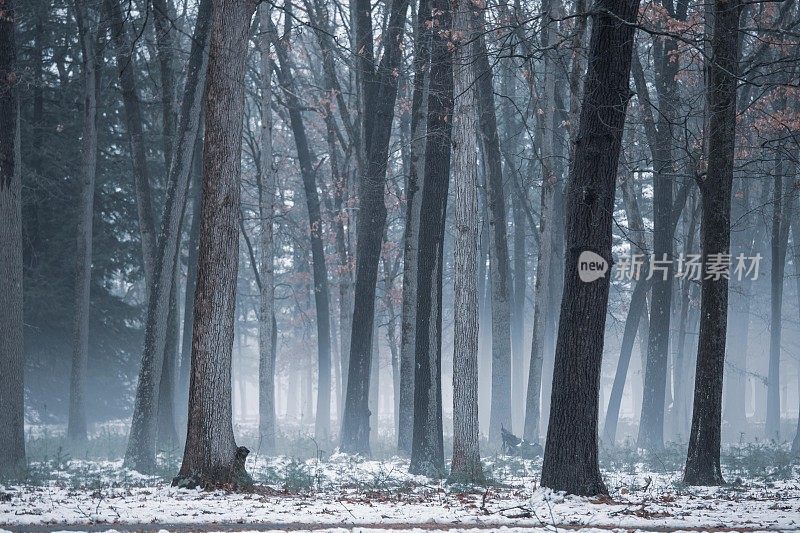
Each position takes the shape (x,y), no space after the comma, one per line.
(351,195)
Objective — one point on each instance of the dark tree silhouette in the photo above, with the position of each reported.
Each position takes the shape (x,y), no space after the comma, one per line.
(570,457)
(702,460)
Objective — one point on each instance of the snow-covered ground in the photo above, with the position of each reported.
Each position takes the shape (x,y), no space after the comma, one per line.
(343,492)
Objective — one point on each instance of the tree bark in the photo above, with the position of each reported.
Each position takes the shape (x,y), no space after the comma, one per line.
(12,364)
(211,457)
(76,427)
(570,457)
(427,447)
(322,425)
(466,464)
(140,453)
(266,204)
(542,286)
(795,223)
(414,191)
(667,66)
(126,67)
(165,48)
(167,436)
(378,86)
(702,461)
(779,240)
(184,371)
(500,409)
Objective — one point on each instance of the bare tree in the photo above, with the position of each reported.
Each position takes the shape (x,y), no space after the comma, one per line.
(466,464)
(782,207)
(500,409)
(76,427)
(211,457)
(427,448)
(140,452)
(414,191)
(379,91)
(702,461)
(570,457)
(266,180)
(542,286)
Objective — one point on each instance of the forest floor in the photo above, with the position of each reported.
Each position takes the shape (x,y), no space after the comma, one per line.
(337,492)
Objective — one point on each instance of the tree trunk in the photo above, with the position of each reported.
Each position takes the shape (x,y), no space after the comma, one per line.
(12,390)
(167,436)
(414,191)
(667,66)
(76,427)
(322,425)
(427,448)
(165,47)
(795,223)
(500,410)
(184,371)
(702,461)
(140,453)
(681,406)
(542,286)
(780,237)
(636,309)
(379,92)
(375,374)
(266,205)
(134,123)
(748,243)
(391,335)
(466,464)
(570,457)
(510,144)
(211,457)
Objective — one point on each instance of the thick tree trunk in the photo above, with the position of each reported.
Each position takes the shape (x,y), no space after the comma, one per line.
(76,427)
(702,461)
(266,205)
(12,390)
(414,192)
(466,464)
(427,448)
(379,92)
(140,453)
(211,457)
(500,409)
(570,457)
